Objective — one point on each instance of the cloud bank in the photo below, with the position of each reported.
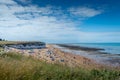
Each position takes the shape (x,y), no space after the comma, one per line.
(84,12)
(49,23)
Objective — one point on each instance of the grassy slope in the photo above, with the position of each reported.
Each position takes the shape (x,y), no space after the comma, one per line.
(8,42)
(15,66)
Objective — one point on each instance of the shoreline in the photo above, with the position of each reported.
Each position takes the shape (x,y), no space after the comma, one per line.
(54,55)
(74,60)
(80,47)
(92,53)
(66,56)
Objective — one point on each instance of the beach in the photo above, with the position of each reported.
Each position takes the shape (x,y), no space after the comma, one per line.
(96,54)
(74,57)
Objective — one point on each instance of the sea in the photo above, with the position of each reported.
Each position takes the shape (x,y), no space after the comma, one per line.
(110,48)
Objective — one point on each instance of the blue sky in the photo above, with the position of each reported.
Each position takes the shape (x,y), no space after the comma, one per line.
(60,21)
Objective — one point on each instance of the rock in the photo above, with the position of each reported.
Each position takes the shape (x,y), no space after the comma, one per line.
(62,60)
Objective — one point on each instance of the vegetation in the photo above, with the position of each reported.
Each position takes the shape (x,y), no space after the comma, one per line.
(11,42)
(2,39)
(17,42)
(14,66)
(8,42)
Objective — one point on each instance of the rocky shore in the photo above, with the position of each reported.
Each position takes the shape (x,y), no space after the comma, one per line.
(64,55)
(52,54)
(79,47)
(97,54)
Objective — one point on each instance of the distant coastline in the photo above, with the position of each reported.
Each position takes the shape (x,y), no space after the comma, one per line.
(79,47)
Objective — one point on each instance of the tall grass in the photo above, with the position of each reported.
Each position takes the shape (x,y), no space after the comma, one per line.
(15,66)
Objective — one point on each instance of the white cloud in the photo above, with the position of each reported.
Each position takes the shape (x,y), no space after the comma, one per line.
(84,11)
(49,23)
(7,2)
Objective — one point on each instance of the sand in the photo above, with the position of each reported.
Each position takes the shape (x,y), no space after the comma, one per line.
(103,58)
(55,55)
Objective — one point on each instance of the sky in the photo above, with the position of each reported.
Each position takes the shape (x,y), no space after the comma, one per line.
(60,21)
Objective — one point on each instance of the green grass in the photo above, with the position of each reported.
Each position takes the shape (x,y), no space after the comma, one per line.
(8,42)
(14,66)
(14,42)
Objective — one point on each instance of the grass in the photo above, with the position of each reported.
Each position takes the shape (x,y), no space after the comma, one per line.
(14,66)
(14,42)
(8,42)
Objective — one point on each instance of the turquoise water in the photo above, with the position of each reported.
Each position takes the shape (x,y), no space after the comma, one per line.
(112,48)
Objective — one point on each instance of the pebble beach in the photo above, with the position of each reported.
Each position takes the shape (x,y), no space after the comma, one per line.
(55,54)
